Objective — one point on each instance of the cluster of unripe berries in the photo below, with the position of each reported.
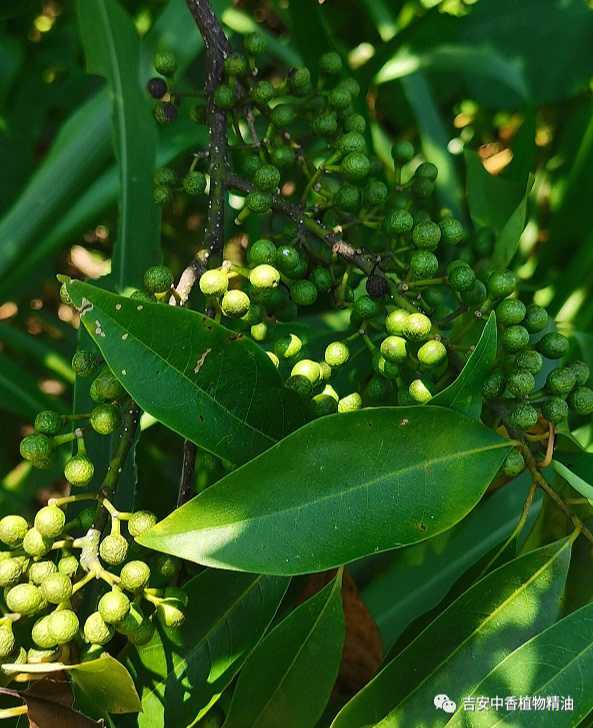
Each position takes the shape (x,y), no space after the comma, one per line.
(43,578)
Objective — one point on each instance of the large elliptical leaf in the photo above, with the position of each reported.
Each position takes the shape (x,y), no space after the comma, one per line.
(211,385)
(340,488)
(181,673)
(464,643)
(288,678)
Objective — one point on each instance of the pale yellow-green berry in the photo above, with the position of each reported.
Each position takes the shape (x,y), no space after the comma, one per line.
(214,283)
(131,622)
(35,544)
(11,571)
(135,575)
(40,634)
(114,606)
(63,625)
(24,599)
(96,629)
(68,565)
(114,549)
(7,642)
(141,521)
(50,521)
(56,588)
(13,530)
(38,571)
(169,612)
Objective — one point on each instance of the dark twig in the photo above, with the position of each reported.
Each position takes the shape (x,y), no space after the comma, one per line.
(186,484)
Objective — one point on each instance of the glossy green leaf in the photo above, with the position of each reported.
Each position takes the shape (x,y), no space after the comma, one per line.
(464,643)
(288,678)
(465,393)
(181,673)
(211,385)
(558,662)
(108,682)
(580,485)
(374,479)
(20,393)
(111,46)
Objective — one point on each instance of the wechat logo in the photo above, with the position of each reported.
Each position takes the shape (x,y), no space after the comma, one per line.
(442,702)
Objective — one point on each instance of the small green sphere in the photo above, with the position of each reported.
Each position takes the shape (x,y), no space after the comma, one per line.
(262,252)
(432,353)
(424,264)
(580,400)
(267,178)
(330,64)
(108,386)
(452,231)
(378,388)
(235,64)
(105,418)
(235,303)
(48,423)
(281,116)
(354,142)
(224,97)
(375,193)
(162,196)
(24,599)
(303,293)
(523,416)
(494,386)
(286,259)
(263,92)
(398,223)
(502,283)
(79,470)
(114,549)
(96,630)
(259,332)
(194,184)
(13,530)
(135,575)
(38,450)
(337,353)
(422,189)
(164,177)
(394,349)
(580,371)
(476,295)
(426,235)
(165,63)
(321,278)
(259,201)
(421,390)
(553,346)
(214,283)
(510,312)
(309,369)
(461,278)
(355,166)
(367,307)
(255,44)
(322,405)
(417,327)
(513,464)
(515,338)
(158,279)
(350,403)
(554,409)
(166,565)
(395,321)
(402,151)
(339,98)
(40,634)
(11,571)
(383,367)
(530,360)
(68,565)
(520,382)
(7,641)
(347,198)
(536,319)
(560,381)
(35,544)
(427,170)
(264,276)
(288,346)
(169,612)
(50,521)
(140,295)
(38,571)
(282,157)
(56,588)
(114,606)
(300,384)
(63,625)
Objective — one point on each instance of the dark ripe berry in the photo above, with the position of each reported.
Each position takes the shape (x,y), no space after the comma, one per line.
(476,295)
(560,381)
(502,283)
(156,87)
(398,223)
(513,464)
(427,170)
(554,409)
(255,44)
(347,197)
(165,112)
(553,346)
(330,64)
(402,151)
(426,235)
(580,371)
(515,338)
(510,311)
(377,286)
(580,400)
(494,385)
(536,319)
(530,360)
(523,416)
(235,64)
(520,382)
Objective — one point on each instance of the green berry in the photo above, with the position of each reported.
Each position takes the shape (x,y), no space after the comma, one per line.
(41,636)
(510,312)
(354,142)
(580,400)
(383,367)
(281,116)
(560,381)
(513,464)
(63,625)
(165,63)
(394,349)
(235,303)
(395,322)
(288,346)
(158,279)
(262,251)
(79,470)
(502,283)
(38,571)
(283,156)
(108,386)
(114,606)
(135,575)
(68,565)
(553,346)
(325,125)
(580,371)
(264,276)
(48,423)
(140,295)
(417,327)
(235,64)
(87,517)
(165,113)
(166,565)
(350,403)
(451,231)
(38,450)
(422,189)
(169,612)
(96,630)
(530,360)
(259,332)
(24,599)
(299,80)
(474,296)
(321,278)
(355,166)
(267,177)
(194,184)
(426,235)
(432,353)
(35,544)
(398,223)
(339,98)
(402,151)
(114,549)
(214,283)
(142,634)
(330,64)
(554,409)
(424,264)
(351,86)
(13,530)
(427,170)
(7,641)
(255,44)
(520,382)
(263,92)
(259,201)
(56,588)
(300,384)
(421,390)
(515,338)
(337,353)
(494,386)
(523,416)
(162,196)
(164,177)
(461,278)
(309,369)
(286,259)
(11,571)
(347,198)
(224,97)
(303,293)
(536,319)
(322,405)
(50,521)
(375,193)
(378,388)
(367,307)
(105,419)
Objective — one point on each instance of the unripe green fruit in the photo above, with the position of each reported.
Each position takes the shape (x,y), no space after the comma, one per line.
(422,189)
(142,634)
(367,307)
(164,177)
(301,269)
(167,565)
(515,338)
(41,635)
(35,657)
(264,276)
(375,193)
(461,278)
(520,382)
(165,63)
(35,544)
(87,517)
(339,98)
(347,198)
(402,151)
(424,264)
(68,565)
(394,349)
(50,521)
(378,388)
(383,367)
(303,293)
(105,418)
(79,470)
(141,295)
(38,571)
(536,319)
(158,279)
(259,332)
(494,385)
(417,327)
(7,641)
(235,303)
(96,630)
(250,164)
(404,399)
(300,384)
(288,346)
(259,201)
(476,295)
(286,259)
(11,571)
(131,622)
(451,231)
(267,177)
(330,64)
(56,588)
(38,450)
(13,530)
(553,346)
(263,92)
(255,44)
(309,369)
(49,423)
(273,358)
(511,311)
(560,381)
(214,283)
(281,116)
(398,223)
(235,64)
(162,195)
(114,549)
(523,417)
(114,606)
(177,592)
(321,278)
(513,464)
(530,360)
(24,599)
(224,97)
(108,386)
(353,142)
(427,170)
(135,575)
(421,390)
(432,353)
(502,283)
(262,251)
(355,166)
(298,77)
(350,403)
(554,409)
(395,321)
(326,124)
(580,371)
(283,157)
(63,625)
(426,235)
(165,112)
(580,401)
(322,405)
(337,353)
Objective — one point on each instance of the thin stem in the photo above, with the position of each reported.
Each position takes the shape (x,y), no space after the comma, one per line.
(186,482)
